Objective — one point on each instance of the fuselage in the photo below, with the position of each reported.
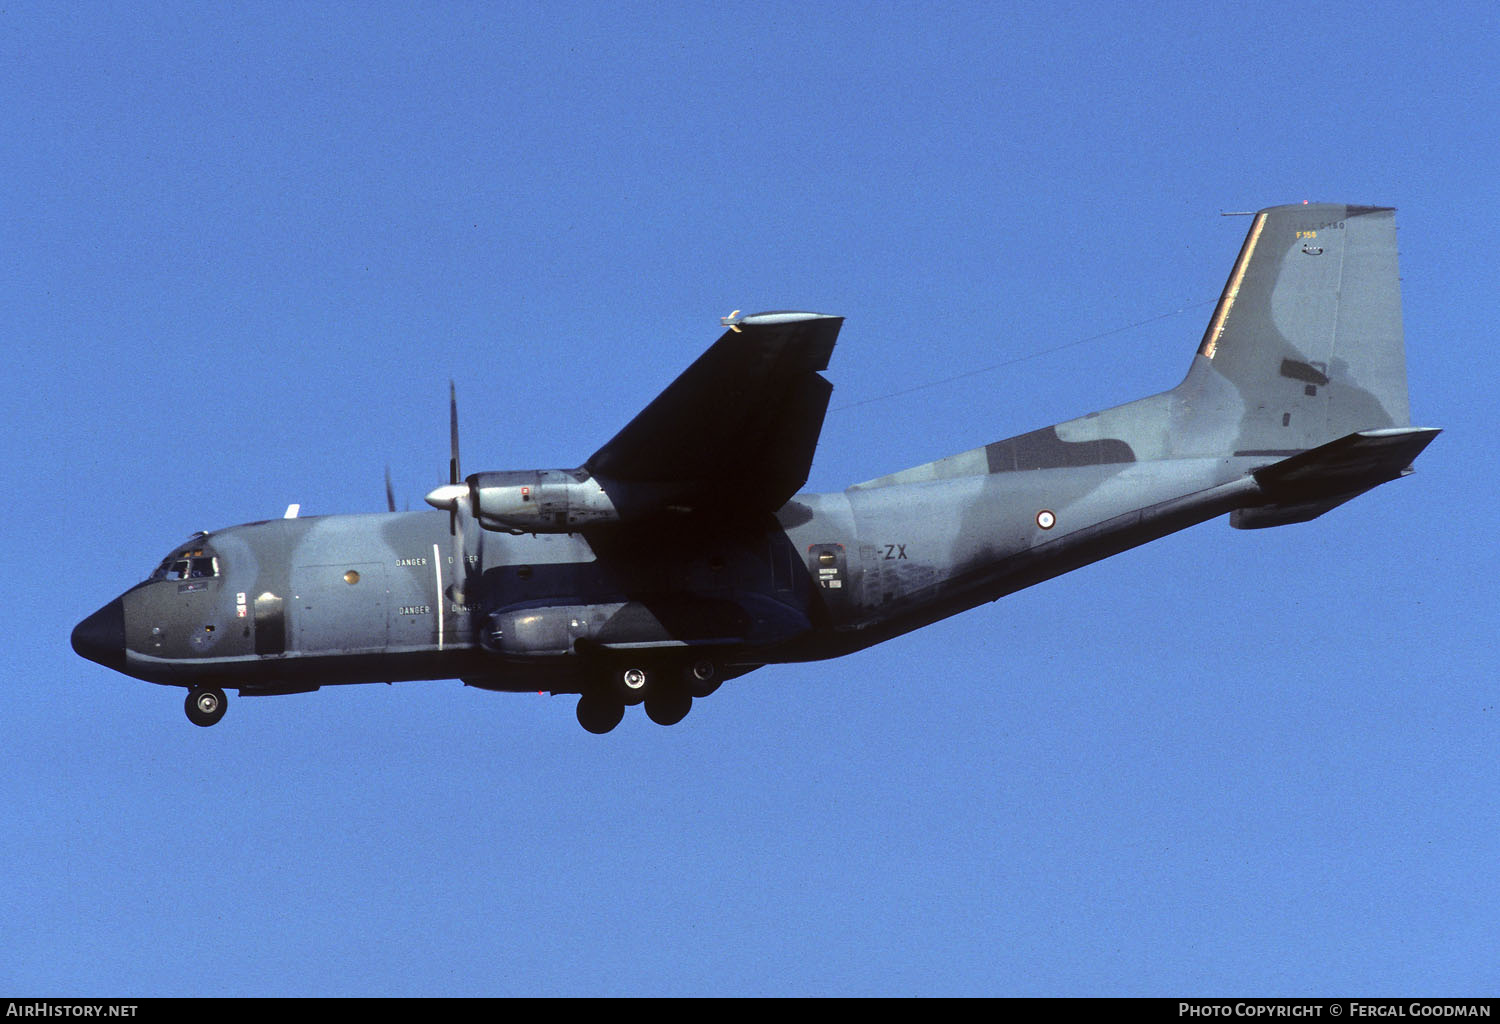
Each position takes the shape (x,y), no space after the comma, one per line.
(293,604)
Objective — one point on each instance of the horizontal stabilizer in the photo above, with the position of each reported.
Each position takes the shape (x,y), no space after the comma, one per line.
(1306,485)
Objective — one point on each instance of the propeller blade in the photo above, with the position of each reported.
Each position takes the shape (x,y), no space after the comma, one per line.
(454,476)
(455,497)
(390,493)
(453,468)
(462,567)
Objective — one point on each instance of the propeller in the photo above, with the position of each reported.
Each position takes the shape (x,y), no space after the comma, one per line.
(454,496)
(390,492)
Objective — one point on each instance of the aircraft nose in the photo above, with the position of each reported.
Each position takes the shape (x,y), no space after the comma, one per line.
(101,636)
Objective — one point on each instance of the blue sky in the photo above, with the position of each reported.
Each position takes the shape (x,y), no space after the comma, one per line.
(245,250)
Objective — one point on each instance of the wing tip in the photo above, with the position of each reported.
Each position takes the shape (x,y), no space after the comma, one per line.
(783,316)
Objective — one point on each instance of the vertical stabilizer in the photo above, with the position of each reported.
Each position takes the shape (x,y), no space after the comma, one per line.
(1307,333)
(1304,347)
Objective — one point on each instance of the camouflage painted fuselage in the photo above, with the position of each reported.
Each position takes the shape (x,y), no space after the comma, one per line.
(300,603)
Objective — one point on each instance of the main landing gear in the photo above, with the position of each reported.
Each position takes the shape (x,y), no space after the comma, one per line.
(667,690)
(205,705)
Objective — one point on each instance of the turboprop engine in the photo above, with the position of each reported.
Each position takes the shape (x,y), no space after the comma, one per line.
(548,500)
(540,501)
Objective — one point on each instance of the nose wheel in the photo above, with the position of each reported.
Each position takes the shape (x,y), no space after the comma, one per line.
(205,705)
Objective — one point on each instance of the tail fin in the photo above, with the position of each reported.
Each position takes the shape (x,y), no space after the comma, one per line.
(1304,348)
(1307,335)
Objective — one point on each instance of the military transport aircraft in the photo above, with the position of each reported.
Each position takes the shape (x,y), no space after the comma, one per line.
(680,554)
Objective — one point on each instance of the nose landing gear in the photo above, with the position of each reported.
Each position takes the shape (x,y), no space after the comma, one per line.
(205,705)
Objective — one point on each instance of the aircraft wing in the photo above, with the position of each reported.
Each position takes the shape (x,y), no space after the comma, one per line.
(736,432)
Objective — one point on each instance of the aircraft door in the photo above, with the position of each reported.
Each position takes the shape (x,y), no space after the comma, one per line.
(270,624)
(340,607)
(829,568)
(783,556)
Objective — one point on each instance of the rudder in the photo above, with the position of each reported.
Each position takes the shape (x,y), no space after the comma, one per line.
(1307,332)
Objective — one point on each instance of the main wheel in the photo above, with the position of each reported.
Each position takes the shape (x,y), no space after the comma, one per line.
(599,713)
(205,705)
(631,684)
(669,706)
(703,677)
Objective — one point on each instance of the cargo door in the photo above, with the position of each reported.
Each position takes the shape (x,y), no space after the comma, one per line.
(337,608)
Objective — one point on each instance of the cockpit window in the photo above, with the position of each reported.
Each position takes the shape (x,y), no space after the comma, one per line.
(187,565)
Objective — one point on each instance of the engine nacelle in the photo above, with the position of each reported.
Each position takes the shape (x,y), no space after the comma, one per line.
(540,501)
(556,500)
